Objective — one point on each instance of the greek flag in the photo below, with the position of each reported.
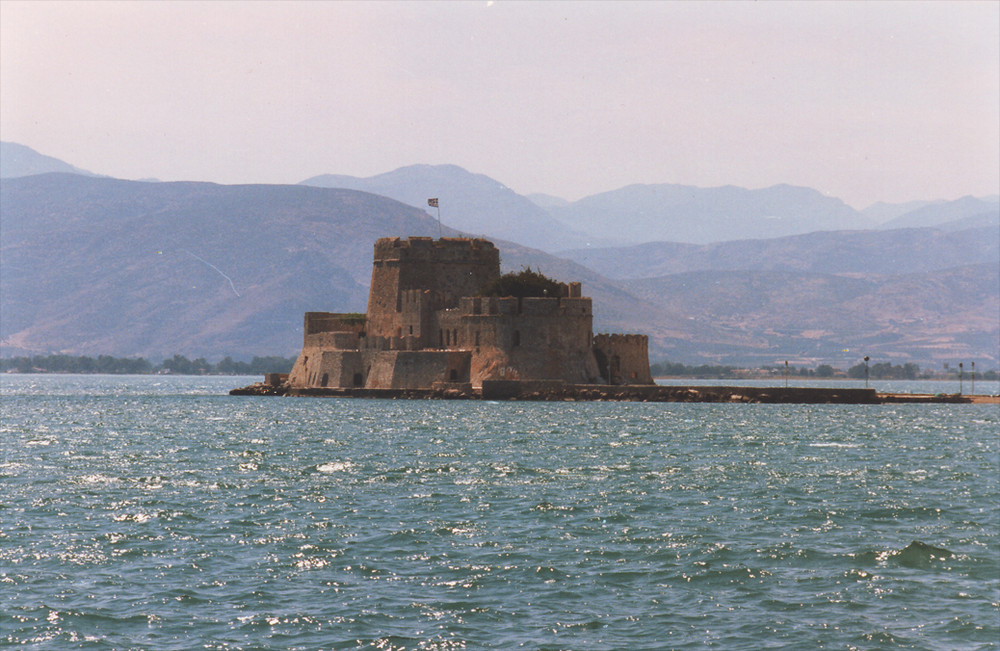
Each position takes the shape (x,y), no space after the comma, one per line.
(433,203)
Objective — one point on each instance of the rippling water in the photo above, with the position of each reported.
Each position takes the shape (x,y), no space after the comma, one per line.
(160,513)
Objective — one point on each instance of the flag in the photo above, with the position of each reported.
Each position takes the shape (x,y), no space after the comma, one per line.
(433,203)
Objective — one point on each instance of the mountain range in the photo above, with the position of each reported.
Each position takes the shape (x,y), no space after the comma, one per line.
(636,214)
(881,252)
(18,160)
(94,265)
(472,203)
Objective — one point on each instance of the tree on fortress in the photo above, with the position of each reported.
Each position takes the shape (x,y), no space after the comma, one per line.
(523,284)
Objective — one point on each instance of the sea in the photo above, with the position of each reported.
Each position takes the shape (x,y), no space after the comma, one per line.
(158,512)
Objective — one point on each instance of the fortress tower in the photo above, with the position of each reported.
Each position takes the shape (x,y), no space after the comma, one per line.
(446,269)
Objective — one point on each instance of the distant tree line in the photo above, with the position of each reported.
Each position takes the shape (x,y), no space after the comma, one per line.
(710,371)
(181,365)
(878,371)
(176,365)
(663,369)
(885,371)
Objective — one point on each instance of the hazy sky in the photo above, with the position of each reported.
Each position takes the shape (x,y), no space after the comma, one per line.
(875,101)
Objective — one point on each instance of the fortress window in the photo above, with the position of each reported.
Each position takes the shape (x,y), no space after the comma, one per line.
(411,330)
(454,336)
(326,379)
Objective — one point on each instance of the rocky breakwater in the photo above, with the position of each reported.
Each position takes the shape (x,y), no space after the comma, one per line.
(558,391)
(280,387)
(555,391)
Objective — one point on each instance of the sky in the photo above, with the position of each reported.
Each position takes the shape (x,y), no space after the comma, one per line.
(865,101)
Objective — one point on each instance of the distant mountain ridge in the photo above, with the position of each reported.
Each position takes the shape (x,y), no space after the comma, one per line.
(473,203)
(480,205)
(477,204)
(943,212)
(909,250)
(18,160)
(678,213)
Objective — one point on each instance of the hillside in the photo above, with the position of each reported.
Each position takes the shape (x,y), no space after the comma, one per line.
(932,317)
(900,251)
(128,268)
(930,295)
(104,266)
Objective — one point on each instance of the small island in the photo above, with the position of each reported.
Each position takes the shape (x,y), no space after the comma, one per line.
(443,322)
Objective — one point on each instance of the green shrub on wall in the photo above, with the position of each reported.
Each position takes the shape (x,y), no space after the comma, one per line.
(523,284)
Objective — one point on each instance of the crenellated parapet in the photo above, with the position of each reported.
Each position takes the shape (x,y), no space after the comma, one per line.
(333,340)
(316,322)
(530,306)
(615,340)
(427,249)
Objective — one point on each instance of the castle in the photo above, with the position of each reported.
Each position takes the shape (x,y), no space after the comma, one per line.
(429,326)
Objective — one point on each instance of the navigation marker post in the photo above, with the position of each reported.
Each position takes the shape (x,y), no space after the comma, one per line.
(433,203)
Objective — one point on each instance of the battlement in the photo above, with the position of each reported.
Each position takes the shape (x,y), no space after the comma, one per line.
(530,306)
(316,322)
(333,340)
(604,340)
(446,249)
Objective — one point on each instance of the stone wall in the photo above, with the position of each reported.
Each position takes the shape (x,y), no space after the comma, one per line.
(319,367)
(512,339)
(417,369)
(623,359)
(338,340)
(323,333)
(316,322)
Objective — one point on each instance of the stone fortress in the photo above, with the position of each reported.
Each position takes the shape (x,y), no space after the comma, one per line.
(429,326)
(436,328)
